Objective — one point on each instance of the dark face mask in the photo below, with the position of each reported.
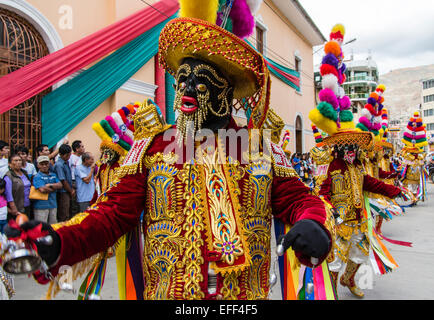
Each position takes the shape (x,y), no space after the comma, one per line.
(203,96)
(108,156)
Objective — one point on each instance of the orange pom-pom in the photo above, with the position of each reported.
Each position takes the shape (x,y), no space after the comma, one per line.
(381,100)
(374,95)
(21,218)
(333,48)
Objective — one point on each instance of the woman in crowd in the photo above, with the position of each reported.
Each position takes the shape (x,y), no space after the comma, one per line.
(17,187)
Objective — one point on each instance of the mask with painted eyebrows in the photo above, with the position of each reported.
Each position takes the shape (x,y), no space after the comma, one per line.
(108,156)
(203,97)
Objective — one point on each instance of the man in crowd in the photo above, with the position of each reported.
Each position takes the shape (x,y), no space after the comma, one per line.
(75,160)
(84,178)
(46,182)
(44,150)
(65,195)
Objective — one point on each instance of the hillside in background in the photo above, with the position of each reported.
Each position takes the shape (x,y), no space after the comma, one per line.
(404,89)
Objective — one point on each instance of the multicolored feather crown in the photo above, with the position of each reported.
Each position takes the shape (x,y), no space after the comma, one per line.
(117,130)
(333,113)
(370,120)
(415,133)
(317,135)
(285,142)
(384,131)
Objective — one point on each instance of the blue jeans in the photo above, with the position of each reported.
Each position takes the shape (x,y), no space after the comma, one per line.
(3,223)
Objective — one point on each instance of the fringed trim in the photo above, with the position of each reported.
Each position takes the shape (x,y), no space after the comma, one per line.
(78,270)
(133,161)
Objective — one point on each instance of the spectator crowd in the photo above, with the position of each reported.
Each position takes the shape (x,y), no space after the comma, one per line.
(51,187)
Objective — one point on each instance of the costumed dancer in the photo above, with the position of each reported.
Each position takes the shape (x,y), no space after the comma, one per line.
(346,180)
(374,119)
(207,217)
(285,144)
(387,172)
(414,140)
(117,133)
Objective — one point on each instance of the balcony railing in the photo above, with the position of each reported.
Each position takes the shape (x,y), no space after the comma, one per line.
(361,79)
(359,96)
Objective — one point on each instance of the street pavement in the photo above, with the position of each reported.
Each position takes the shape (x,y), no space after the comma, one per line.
(413,280)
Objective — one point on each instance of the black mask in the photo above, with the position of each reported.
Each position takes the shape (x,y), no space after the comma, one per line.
(109,156)
(203,96)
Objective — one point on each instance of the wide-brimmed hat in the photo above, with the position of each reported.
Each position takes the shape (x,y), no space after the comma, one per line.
(364,140)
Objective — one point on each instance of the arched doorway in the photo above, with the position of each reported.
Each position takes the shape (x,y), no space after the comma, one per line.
(299,135)
(20,44)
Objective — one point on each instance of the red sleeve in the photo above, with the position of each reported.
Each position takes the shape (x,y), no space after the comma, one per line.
(104,225)
(373,185)
(291,201)
(387,174)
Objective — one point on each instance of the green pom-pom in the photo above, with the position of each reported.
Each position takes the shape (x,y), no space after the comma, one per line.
(362,127)
(375,132)
(346,116)
(327,110)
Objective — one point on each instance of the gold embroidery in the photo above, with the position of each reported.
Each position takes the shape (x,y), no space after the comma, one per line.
(193,226)
(161,189)
(231,288)
(260,178)
(222,217)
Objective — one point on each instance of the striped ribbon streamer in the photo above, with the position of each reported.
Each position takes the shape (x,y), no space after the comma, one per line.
(41,74)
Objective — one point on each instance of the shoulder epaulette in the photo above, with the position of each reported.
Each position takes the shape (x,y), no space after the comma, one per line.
(281,165)
(148,122)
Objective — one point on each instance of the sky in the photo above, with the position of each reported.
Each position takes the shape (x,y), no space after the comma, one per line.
(398,33)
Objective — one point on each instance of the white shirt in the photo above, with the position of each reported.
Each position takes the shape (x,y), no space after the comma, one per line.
(4,167)
(74,161)
(30,169)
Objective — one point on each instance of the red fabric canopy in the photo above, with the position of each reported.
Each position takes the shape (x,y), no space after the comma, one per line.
(34,78)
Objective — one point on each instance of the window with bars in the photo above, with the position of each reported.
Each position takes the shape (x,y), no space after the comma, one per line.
(260,39)
(20,44)
(429,98)
(428,84)
(428,113)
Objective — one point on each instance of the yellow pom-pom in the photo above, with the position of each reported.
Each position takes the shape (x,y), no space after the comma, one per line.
(204,10)
(416,114)
(323,123)
(381,87)
(99,130)
(339,27)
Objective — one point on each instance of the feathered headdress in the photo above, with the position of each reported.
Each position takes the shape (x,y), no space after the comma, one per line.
(201,33)
(285,142)
(317,135)
(415,133)
(117,130)
(370,120)
(333,113)
(384,124)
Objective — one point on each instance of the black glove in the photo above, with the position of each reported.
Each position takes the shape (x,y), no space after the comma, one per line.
(48,252)
(307,237)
